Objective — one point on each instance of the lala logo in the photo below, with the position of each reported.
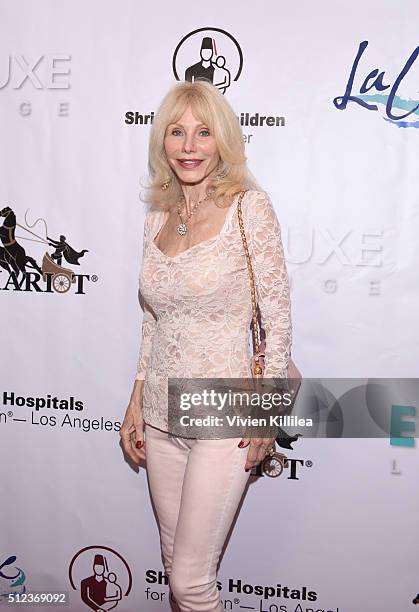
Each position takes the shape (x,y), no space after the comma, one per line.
(12,579)
(375,81)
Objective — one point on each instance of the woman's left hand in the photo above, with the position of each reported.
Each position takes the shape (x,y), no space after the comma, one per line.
(257,450)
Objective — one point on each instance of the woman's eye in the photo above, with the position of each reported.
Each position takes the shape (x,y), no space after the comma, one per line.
(177,132)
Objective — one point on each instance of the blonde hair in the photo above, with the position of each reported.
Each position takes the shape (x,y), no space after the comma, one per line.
(209,106)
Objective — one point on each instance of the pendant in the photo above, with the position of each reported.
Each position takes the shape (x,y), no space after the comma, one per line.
(182,229)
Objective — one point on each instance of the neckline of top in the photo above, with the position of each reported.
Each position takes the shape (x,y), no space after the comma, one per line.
(228,216)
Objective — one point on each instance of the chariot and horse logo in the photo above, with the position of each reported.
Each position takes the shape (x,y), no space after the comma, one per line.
(13,257)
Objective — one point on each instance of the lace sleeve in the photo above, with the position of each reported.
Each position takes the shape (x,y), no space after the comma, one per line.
(271,279)
(149,321)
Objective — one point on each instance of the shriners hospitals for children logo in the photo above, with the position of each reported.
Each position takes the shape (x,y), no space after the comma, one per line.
(24,272)
(101,575)
(209,54)
(213,55)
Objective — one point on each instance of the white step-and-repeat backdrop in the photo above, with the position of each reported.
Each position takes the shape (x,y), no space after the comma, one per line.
(327,95)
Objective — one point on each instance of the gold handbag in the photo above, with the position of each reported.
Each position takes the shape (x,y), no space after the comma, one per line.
(274,462)
(257,364)
(259,342)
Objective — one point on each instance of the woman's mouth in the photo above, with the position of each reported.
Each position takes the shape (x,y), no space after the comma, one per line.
(189,164)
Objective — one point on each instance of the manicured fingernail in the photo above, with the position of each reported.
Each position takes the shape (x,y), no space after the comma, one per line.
(241,444)
(139,444)
(247,470)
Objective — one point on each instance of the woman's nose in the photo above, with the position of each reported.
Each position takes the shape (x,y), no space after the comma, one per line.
(189,143)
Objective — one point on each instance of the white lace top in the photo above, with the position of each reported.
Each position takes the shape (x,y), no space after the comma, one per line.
(197,304)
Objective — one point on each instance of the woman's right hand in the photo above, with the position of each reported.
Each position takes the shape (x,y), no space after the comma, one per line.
(132,428)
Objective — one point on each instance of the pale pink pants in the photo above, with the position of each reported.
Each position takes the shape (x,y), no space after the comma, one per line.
(196,487)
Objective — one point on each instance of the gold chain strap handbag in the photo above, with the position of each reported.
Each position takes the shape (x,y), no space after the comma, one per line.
(259,341)
(274,462)
(258,359)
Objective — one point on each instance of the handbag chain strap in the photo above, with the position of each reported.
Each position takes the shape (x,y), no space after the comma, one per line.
(255,327)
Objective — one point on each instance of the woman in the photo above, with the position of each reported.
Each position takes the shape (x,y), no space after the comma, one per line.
(195,290)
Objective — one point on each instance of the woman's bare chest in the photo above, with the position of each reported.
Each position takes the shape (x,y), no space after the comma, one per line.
(199,229)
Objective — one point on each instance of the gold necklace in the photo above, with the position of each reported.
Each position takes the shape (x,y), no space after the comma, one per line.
(182,228)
